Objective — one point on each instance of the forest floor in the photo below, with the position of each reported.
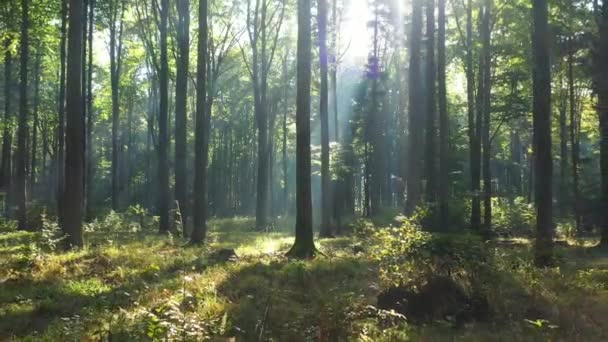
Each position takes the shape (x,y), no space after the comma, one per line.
(128,286)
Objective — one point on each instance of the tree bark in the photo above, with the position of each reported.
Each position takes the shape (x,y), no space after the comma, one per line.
(21,167)
(486,91)
(7,138)
(542,135)
(181,119)
(61,114)
(431,105)
(116,29)
(202,133)
(304,246)
(326,228)
(72,222)
(35,123)
(89,130)
(602,105)
(444,133)
(163,132)
(415,111)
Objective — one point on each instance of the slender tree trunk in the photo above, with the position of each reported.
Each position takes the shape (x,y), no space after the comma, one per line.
(72,223)
(61,162)
(163,132)
(35,123)
(201,134)
(415,111)
(574,138)
(181,119)
(333,74)
(473,127)
(563,148)
(21,174)
(89,130)
(443,121)
(542,135)
(285,108)
(326,229)
(304,246)
(431,105)
(486,91)
(602,105)
(7,139)
(116,27)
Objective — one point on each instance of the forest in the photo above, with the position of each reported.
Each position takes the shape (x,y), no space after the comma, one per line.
(304,170)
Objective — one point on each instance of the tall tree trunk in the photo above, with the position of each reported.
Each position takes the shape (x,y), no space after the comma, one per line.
(89,129)
(486,91)
(415,111)
(285,108)
(431,105)
(36,122)
(304,246)
(473,126)
(326,229)
(21,174)
(72,221)
(163,132)
(444,133)
(7,139)
(602,85)
(202,133)
(563,148)
(181,119)
(542,135)
(61,114)
(333,73)
(574,131)
(116,28)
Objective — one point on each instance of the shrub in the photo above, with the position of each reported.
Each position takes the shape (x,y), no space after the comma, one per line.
(513,218)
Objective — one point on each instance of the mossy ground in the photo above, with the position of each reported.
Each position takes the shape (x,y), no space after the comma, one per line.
(128,286)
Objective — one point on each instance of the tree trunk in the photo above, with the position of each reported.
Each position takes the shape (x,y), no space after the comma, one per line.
(116,28)
(201,134)
(474,126)
(61,162)
(89,130)
(21,174)
(72,223)
(444,133)
(486,91)
(574,136)
(181,119)
(7,139)
(326,228)
(415,111)
(563,148)
(542,135)
(304,246)
(602,84)
(36,122)
(163,132)
(431,105)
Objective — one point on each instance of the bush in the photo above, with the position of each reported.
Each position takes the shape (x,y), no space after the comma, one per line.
(513,218)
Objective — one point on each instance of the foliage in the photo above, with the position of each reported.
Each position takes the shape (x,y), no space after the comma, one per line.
(513,218)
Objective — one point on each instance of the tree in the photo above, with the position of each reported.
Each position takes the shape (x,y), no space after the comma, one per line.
(263,27)
(117,9)
(202,132)
(89,129)
(5,167)
(484,91)
(181,100)
(415,110)
(324,117)
(163,132)
(443,119)
(431,104)
(601,65)
(304,246)
(542,135)
(74,162)
(21,172)
(61,113)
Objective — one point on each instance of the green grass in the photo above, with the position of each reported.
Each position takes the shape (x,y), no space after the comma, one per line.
(141,286)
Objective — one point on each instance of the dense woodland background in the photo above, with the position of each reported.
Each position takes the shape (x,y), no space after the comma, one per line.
(431,137)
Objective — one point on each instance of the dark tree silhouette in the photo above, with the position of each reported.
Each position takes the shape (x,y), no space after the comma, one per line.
(542,135)
(201,153)
(74,162)
(304,246)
